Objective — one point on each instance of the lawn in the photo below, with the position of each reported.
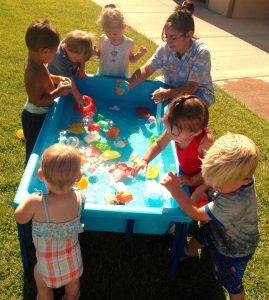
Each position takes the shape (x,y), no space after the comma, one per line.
(113,268)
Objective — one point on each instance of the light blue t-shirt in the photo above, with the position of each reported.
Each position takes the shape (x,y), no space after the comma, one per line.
(195,66)
(234,226)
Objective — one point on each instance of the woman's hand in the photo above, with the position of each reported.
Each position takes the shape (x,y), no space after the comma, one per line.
(142,164)
(160,95)
(122,87)
(171,182)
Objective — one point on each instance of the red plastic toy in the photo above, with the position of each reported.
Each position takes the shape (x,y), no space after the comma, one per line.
(143,112)
(202,202)
(94,127)
(88,107)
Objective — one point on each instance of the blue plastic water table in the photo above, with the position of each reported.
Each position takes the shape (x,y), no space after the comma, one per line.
(152,211)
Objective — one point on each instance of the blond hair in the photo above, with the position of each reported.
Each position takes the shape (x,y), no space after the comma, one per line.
(231,159)
(60,165)
(111,16)
(80,42)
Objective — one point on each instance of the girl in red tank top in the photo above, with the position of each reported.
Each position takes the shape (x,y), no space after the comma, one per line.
(186,122)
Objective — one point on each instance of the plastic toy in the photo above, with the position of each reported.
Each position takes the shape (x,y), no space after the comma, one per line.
(152,119)
(72,141)
(98,118)
(143,112)
(119,171)
(101,146)
(66,83)
(107,155)
(134,158)
(124,197)
(83,160)
(124,86)
(152,172)
(90,151)
(104,124)
(20,134)
(76,128)
(92,137)
(202,202)
(88,107)
(114,107)
(120,143)
(82,183)
(153,139)
(94,127)
(113,132)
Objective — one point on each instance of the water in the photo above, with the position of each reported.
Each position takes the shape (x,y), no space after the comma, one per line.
(135,131)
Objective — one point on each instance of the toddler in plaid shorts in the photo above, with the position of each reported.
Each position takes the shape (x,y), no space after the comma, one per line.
(56,223)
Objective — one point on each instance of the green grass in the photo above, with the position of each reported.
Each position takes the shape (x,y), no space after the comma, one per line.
(113,268)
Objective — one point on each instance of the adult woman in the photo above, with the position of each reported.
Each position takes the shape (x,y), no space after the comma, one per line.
(184,60)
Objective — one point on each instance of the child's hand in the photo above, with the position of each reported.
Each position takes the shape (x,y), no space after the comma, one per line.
(142,164)
(186,180)
(160,95)
(170,181)
(122,87)
(63,88)
(81,73)
(95,52)
(143,50)
(199,193)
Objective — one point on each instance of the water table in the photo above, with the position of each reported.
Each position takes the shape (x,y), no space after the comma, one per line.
(152,209)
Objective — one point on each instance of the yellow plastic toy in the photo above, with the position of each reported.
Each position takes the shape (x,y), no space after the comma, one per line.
(109,154)
(76,128)
(152,172)
(82,183)
(20,134)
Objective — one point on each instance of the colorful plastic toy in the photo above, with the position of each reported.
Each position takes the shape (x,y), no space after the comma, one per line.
(113,132)
(20,134)
(88,107)
(202,202)
(90,151)
(94,127)
(72,141)
(76,128)
(153,139)
(92,137)
(143,112)
(120,143)
(134,158)
(101,146)
(66,83)
(98,118)
(152,172)
(120,170)
(124,197)
(82,183)
(104,124)
(107,155)
(152,119)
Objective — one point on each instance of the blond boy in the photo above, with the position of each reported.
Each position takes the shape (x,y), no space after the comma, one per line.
(71,56)
(231,233)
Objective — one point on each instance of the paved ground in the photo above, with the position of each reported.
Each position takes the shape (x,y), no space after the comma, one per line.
(239,47)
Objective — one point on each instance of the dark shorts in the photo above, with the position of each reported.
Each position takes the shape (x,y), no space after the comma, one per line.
(229,271)
(31,125)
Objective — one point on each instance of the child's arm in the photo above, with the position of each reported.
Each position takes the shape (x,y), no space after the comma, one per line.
(81,70)
(152,152)
(197,179)
(171,182)
(139,76)
(25,211)
(134,57)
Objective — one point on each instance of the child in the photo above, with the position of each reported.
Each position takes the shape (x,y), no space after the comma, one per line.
(231,233)
(183,59)
(115,49)
(56,223)
(186,123)
(71,56)
(42,40)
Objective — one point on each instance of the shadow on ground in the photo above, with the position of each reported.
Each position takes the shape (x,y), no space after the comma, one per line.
(116,269)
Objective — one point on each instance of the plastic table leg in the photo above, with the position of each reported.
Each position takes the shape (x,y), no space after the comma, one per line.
(178,244)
